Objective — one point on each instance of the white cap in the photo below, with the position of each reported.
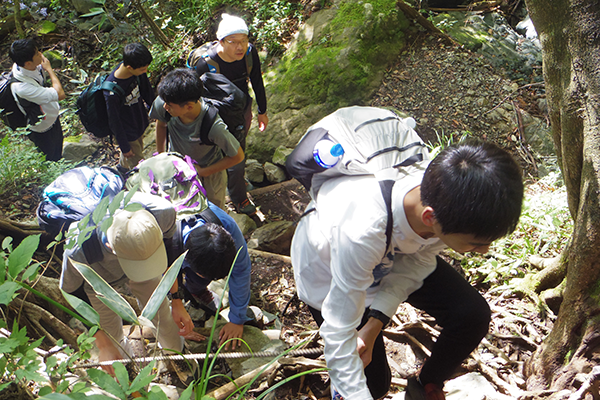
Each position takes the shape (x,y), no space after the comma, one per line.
(230,25)
(137,241)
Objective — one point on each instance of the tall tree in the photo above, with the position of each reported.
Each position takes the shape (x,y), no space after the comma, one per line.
(569,31)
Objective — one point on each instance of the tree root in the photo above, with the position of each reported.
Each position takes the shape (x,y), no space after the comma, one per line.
(38,316)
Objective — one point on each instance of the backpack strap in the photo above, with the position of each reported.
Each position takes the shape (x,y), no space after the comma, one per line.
(386,187)
(207,122)
(92,249)
(113,87)
(248,59)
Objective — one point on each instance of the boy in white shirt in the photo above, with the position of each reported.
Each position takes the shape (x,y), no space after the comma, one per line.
(29,68)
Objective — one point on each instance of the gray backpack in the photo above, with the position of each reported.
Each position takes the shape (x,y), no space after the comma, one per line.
(376,142)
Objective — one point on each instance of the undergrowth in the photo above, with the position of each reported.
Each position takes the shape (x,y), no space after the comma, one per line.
(23,167)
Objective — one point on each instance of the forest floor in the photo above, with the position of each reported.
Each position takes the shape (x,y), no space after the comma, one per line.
(425,82)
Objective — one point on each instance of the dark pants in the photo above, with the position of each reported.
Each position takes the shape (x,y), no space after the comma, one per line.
(236,183)
(50,142)
(457,307)
(378,372)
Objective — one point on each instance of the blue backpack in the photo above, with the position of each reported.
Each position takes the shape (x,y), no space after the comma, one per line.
(75,194)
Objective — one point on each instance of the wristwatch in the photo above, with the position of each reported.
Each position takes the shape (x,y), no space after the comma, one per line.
(380,316)
(179,294)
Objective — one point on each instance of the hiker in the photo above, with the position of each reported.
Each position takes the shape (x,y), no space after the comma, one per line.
(132,254)
(238,61)
(212,248)
(180,110)
(467,197)
(128,114)
(31,69)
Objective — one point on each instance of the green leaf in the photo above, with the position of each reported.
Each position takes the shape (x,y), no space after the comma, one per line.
(44,391)
(31,271)
(163,287)
(47,27)
(106,293)
(83,222)
(106,382)
(93,11)
(133,207)
(121,375)
(84,235)
(156,393)
(83,308)
(100,210)
(7,291)
(6,242)
(56,396)
(143,379)
(20,258)
(106,224)
(187,393)
(116,202)
(130,194)
(99,1)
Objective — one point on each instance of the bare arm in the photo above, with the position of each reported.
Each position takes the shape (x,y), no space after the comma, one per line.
(161,136)
(224,163)
(53,78)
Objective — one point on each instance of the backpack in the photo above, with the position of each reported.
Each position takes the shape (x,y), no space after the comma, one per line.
(10,113)
(174,177)
(91,105)
(376,142)
(205,126)
(208,51)
(72,196)
(229,100)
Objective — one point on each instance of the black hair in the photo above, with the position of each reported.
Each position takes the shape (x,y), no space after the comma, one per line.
(180,86)
(474,188)
(136,55)
(211,251)
(23,50)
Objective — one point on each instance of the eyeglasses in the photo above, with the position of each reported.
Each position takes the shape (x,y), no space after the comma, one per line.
(243,42)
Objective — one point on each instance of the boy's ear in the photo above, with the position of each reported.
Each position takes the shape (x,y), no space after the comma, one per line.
(428,216)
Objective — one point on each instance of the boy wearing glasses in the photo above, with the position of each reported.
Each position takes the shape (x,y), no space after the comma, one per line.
(237,59)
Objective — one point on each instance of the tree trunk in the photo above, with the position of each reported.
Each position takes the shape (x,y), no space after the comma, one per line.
(569,31)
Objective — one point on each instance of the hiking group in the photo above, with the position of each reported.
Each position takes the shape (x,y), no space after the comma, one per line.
(381,212)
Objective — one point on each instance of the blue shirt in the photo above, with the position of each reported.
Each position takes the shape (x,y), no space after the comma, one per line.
(239,282)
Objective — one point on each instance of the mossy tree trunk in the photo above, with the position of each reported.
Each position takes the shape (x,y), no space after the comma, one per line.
(569,31)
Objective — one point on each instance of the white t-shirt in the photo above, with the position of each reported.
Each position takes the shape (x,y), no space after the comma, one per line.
(31,88)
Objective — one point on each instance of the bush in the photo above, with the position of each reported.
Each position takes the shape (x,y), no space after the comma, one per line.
(24,167)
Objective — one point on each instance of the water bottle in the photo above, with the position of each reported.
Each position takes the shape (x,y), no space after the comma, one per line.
(327,153)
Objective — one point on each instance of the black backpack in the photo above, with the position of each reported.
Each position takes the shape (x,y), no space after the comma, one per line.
(221,93)
(91,106)
(10,113)
(208,51)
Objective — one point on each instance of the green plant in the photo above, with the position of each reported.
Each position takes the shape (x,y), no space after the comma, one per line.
(23,166)
(445,140)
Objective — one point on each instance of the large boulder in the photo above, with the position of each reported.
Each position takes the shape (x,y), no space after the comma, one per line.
(337,59)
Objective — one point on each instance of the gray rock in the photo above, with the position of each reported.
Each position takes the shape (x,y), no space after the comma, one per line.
(281,154)
(78,151)
(275,237)
(254,171)
(244,222)
(274,173)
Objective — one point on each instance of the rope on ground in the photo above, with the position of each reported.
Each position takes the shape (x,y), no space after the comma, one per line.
(201,356)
